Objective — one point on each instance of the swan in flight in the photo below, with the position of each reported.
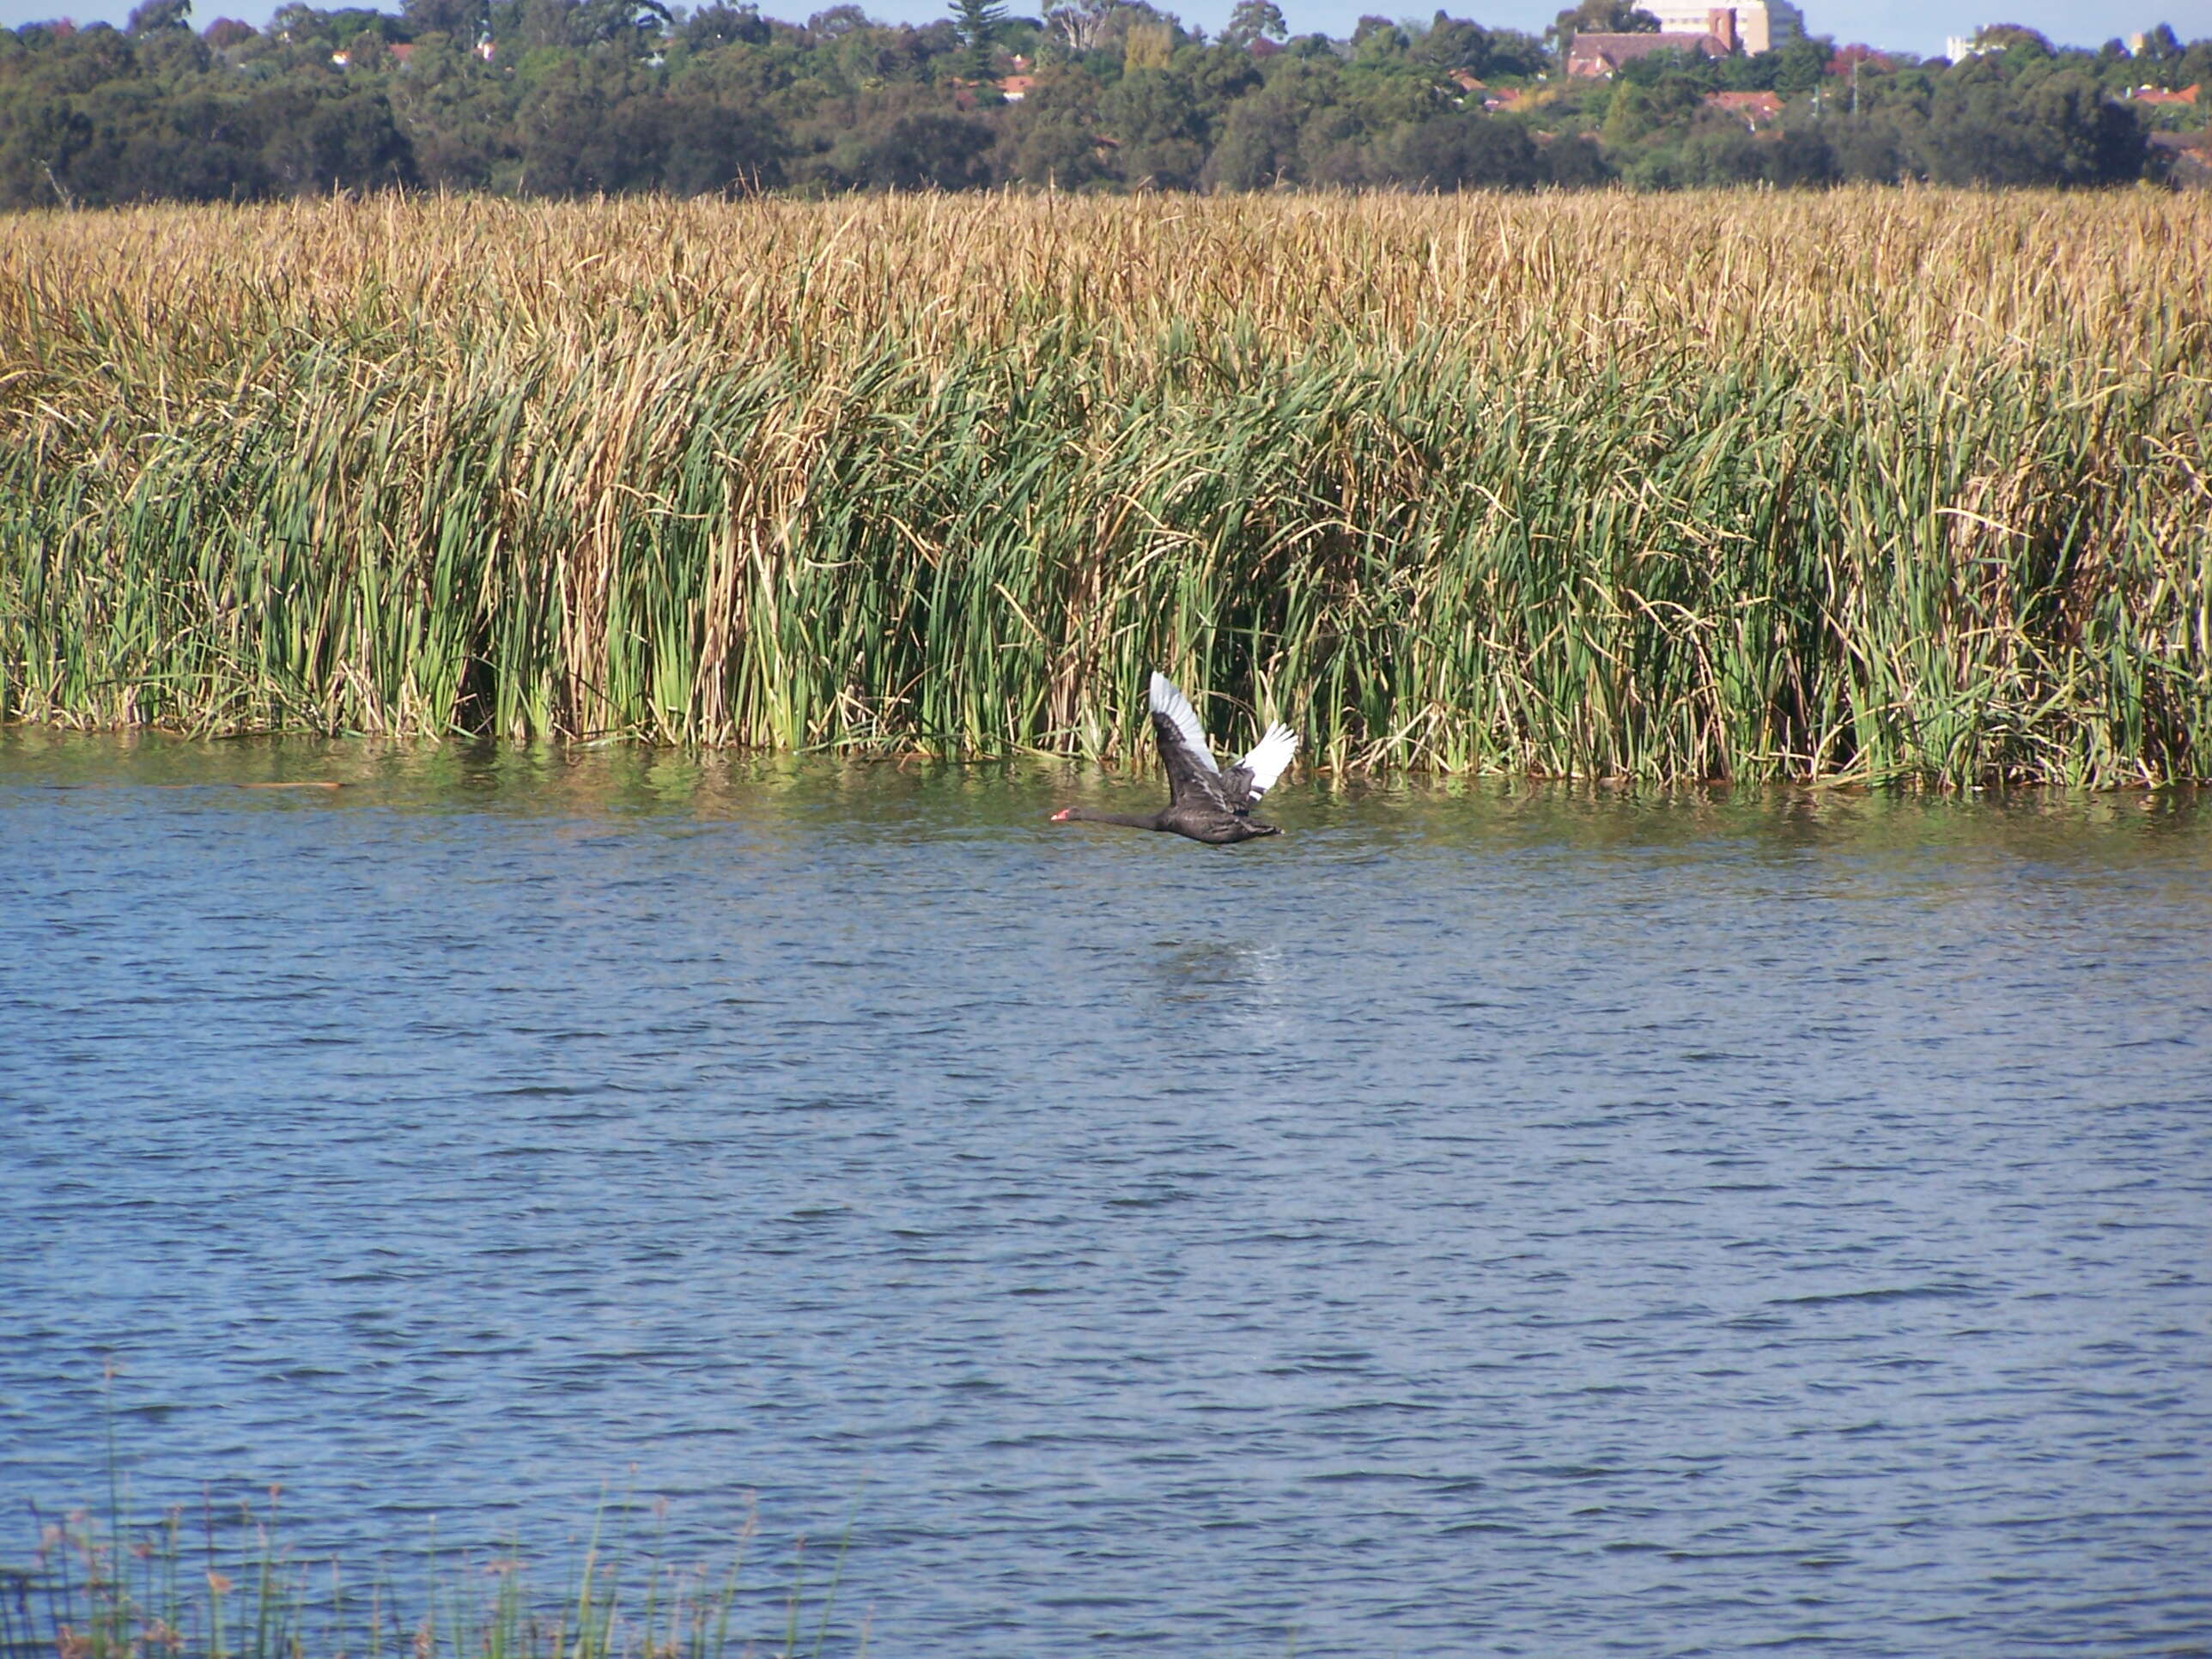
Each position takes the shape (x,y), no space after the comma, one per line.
(1205,803)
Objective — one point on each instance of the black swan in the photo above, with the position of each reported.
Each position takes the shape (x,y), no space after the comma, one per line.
(1205,803)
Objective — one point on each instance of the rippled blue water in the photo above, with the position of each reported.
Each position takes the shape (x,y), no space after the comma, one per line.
(1485,1220)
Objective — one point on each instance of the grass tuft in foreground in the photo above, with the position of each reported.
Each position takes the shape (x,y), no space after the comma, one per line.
(1879,487)
(111,1589)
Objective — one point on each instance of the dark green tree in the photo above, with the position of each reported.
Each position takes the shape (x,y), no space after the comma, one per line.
(327,134)
(1255,19)
(1798,66)
(1512,52)
(151,15)
(1454,43)
(2160,44)
(718,143)
(1378,38)
(2194,69)
(979,21)
(1158,120)
(1871,149)
(933,151)
(1982,129)
(462,19)
(1640,108)
(586,95)
(2013,37)
(1599,17)
(1467,151)
(1051,137)
(713,25)
(1572,161)
(1263,135)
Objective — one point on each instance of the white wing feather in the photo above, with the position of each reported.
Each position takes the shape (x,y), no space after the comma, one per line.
(1166,699)
(1269,757)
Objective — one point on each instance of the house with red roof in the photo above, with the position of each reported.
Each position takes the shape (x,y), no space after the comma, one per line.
(1601,57)
(1754,109)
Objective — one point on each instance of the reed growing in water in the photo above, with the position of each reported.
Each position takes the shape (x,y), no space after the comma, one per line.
(1874,486)
(187,1588)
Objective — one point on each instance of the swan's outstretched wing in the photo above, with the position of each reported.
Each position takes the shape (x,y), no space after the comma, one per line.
(1192,774)
(1253,775)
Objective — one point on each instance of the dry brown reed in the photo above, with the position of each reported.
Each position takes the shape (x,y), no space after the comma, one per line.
(1874,486)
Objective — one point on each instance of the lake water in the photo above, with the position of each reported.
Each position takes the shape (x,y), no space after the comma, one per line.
(1493,1219)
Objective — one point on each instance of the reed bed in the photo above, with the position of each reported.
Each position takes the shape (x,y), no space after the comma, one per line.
(1875,486)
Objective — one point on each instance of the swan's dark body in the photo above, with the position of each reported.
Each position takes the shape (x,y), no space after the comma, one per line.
(1205,803)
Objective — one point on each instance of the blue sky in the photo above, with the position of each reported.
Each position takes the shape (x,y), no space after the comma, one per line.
(1917,26)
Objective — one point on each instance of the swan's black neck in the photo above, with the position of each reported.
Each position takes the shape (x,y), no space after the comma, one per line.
(1132,820)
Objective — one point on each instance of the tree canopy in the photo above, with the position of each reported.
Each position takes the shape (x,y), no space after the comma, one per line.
(576,97)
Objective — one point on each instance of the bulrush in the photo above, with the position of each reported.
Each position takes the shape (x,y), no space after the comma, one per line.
(1868,485)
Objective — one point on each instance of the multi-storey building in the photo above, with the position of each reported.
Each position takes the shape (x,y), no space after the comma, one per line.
(1760,25)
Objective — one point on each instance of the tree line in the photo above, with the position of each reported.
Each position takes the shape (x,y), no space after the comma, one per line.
(581,97)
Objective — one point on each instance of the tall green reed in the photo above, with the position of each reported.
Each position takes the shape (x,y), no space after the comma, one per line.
(1653,542)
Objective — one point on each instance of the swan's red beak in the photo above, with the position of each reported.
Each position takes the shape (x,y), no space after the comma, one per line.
(1062,816)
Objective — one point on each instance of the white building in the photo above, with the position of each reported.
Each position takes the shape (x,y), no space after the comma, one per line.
(1760,25)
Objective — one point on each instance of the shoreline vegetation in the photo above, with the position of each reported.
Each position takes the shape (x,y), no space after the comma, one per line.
(219,1582)
(1875,486)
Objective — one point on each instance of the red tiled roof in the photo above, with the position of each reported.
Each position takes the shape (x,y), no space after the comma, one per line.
(1601,54)
(1754,106)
